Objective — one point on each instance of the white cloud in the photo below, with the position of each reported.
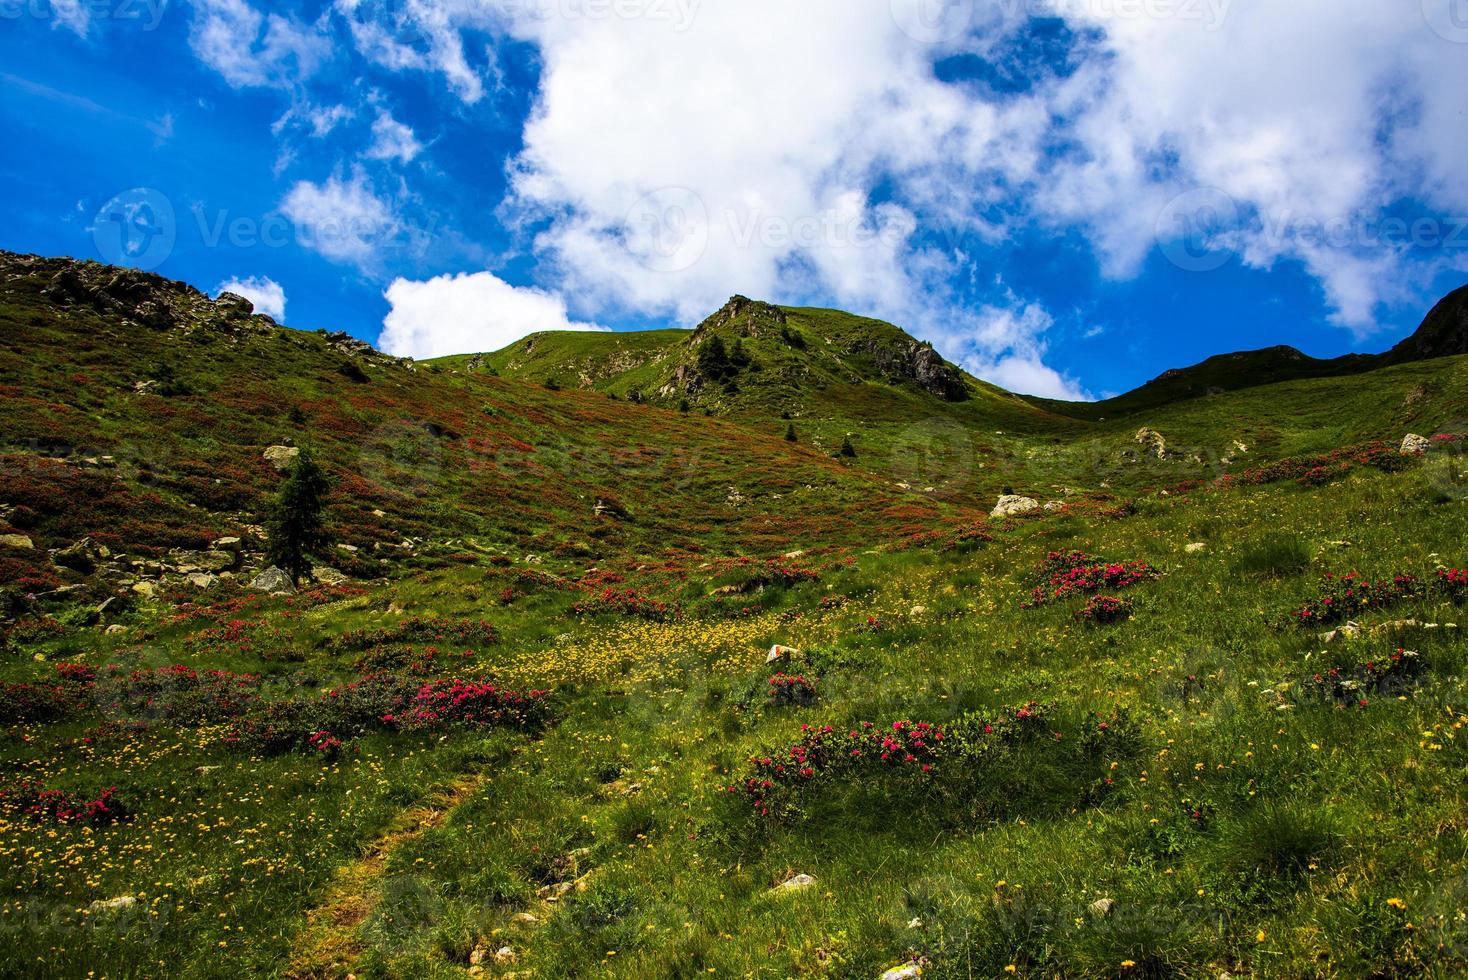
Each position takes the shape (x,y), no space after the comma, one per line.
(342,218)
(467,313)
(421,35)
(664,167)
(267,294)
(74,15)
(250,49)
(392,140)
(1005,345)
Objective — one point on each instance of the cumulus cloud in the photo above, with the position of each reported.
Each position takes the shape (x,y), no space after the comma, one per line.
(392,140)
(664,166)
(421,35)
(467,313)
(267,294)
(342,218)
(250,49)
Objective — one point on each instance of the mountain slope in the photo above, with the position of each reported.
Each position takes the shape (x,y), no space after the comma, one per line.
(797,363)
(1444,333)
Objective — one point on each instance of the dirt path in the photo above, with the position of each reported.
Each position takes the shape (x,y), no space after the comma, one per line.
(328,947)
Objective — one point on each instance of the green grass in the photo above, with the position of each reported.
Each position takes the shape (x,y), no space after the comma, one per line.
(1234,820)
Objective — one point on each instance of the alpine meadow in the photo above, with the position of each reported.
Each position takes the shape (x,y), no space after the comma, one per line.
(705,513)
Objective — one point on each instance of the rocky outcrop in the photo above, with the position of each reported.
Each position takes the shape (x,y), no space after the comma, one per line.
(919,363)
(746,317)
(1152,441)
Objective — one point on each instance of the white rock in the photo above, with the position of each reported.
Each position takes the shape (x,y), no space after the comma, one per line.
(794,883)
(1197,547)
(906,971)
(1415,445)
(504,955)
(1101,907)
(281,457)
(1013,504)
(779,654)
(123,903)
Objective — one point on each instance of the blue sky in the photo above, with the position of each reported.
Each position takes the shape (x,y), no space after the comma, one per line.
(1066,196)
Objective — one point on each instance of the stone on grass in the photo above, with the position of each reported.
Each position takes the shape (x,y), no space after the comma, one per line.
(16,541)
(794,883)
(1011,504)
(1197,547)
(1415,445)
(781,654)
(281,457)
(1101,907)
(906,971)
(273,580)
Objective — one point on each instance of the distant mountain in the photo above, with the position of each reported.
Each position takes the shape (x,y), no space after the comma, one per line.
(755,361)
(1443,334)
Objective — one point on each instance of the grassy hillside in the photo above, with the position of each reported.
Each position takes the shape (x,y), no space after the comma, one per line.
(537,728)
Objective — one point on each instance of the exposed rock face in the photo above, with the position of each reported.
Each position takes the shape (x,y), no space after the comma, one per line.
(1153,442)
(746,316)
(920,363)
(1443,334)
(1013,504)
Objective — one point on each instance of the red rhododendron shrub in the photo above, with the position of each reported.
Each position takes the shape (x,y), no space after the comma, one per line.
(823,755)
(791,691)
(475,704)
(32,801)
(623,602)
(1453,583)
(25,703)
(178,693)
(1350,595)
(1104,609)
(1351,686)
(1065,574)
(459,632)
(1322,468)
